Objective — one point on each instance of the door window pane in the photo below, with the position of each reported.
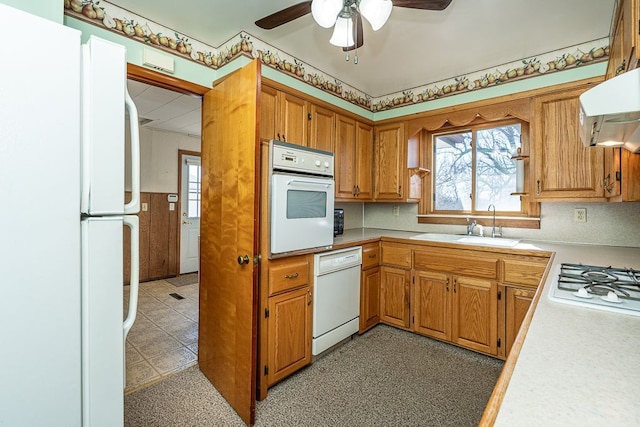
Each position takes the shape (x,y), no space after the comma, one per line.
(194,187)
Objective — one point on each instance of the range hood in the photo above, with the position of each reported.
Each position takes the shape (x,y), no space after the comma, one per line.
(610,113)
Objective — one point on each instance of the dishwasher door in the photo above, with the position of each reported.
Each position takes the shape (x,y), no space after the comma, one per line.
(336,302)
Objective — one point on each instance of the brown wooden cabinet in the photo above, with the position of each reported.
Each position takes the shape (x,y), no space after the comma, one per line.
(521,276)
(322,128)
(623,50)
(564,169)
(289,317)
(370,287)
(292,118)
(354,159)
(431,304)
(390,162)
(394,296)
(268,108)
(395,278)
(517,303)
(456,301)
(475,314)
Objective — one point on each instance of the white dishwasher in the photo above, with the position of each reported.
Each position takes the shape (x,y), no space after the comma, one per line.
(336,302)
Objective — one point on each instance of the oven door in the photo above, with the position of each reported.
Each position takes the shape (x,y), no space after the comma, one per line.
(301,212)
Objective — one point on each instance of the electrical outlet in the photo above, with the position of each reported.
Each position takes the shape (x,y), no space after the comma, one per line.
(145,207)
(580,215)
(396,210)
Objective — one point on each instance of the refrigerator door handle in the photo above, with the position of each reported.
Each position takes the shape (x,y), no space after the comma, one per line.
(133,223)
(133,207)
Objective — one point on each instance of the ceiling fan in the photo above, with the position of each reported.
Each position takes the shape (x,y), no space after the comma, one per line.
(346,15)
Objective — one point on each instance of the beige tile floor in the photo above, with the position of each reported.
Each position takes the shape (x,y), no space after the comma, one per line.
(164,337)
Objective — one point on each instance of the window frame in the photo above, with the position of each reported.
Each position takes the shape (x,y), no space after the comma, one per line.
(529,215)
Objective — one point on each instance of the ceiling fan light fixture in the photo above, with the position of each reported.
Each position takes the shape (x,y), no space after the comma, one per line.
(343,32)
(324,12)
(376,12)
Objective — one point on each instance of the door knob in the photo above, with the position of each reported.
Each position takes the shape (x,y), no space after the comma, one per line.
(243,259)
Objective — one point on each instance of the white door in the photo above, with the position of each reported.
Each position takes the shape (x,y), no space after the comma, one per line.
(190,216)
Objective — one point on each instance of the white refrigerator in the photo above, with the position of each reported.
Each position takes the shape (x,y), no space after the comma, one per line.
(62,174)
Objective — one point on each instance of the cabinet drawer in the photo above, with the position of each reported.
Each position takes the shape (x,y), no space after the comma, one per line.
(370,255)
(460,262)
(288,274)
(398,256)
(524,272)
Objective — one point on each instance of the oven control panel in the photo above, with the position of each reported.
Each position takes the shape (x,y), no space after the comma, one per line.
(295,158)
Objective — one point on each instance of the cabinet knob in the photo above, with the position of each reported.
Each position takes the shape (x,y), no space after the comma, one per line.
(310,297)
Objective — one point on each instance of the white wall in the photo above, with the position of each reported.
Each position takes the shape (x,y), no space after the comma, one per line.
(616,224)
(159,159)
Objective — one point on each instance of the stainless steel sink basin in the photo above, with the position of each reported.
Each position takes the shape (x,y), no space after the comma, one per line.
(470,240)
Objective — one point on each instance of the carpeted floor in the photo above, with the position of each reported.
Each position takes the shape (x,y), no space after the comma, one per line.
(386,377)
(185,279)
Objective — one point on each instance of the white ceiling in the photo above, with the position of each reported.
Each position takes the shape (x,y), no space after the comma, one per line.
(414,48)
(166,110)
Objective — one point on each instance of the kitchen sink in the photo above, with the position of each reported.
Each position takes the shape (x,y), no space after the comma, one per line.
(471,240)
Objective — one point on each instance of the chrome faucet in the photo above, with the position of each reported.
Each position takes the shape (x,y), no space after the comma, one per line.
(471,226)
(493,230)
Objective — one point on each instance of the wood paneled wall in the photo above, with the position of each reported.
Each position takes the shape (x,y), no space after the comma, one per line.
(158,239)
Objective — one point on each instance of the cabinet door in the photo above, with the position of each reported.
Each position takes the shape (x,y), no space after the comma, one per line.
(268,108)
(564,168)
(364,158)
(369,298)
(289,333)
(390,162)
(322,132)
(394,296)
(475,314)
(518,302)
(345,160)
(432,304)
(293,119)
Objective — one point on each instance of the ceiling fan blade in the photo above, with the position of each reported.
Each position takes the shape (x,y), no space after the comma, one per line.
(423,4)
(358,34)
(285,15)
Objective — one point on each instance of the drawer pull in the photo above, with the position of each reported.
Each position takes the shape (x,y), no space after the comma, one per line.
(372,256)
(291,276)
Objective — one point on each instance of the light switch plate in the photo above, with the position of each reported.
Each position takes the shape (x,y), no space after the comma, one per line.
(145,207)
(396,210)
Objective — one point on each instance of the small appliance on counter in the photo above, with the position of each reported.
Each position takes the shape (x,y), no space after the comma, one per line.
(338,222)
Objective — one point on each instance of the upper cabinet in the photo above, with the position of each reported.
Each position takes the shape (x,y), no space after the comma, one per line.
(354,158)
(321,133)
(564,169)
(623,52)
(292,119)
(390,162)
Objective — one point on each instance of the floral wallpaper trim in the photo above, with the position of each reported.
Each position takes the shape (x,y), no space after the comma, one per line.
(125,23)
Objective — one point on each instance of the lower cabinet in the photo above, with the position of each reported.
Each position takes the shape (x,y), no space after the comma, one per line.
(517,301)
(289,317)
(479,303)
(432,304)
(462,310)
(370,287)
(394,296)
(475,314)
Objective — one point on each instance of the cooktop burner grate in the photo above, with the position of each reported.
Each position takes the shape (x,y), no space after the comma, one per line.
(589,280)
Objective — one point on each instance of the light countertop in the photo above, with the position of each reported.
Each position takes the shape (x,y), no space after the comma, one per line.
(577,366)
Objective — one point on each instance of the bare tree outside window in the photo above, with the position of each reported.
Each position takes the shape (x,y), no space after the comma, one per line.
(483,153)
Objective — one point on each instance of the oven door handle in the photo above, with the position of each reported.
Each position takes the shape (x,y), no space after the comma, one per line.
(299,181)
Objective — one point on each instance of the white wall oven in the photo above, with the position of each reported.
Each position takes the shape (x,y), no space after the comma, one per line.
(301,198)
